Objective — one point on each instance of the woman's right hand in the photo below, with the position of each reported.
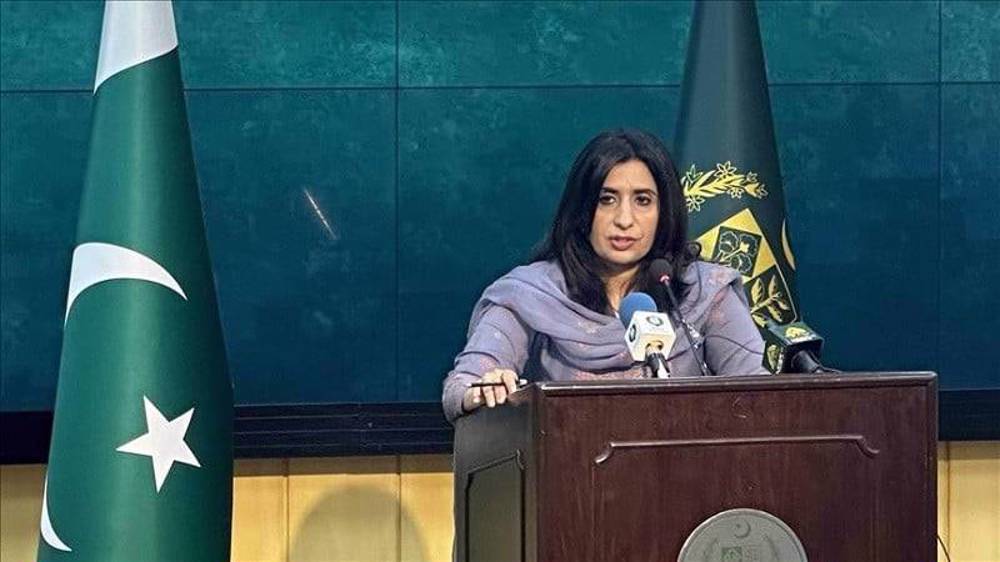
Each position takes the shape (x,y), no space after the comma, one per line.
(492,395)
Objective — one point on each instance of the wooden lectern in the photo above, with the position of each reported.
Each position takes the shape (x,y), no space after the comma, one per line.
(626,470)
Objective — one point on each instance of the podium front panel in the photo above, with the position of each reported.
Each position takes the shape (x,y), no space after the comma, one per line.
(628,470)
(847,469)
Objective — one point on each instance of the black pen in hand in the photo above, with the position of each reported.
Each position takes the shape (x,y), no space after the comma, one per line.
(521,383)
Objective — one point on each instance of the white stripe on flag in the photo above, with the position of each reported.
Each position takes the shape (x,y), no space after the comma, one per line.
(133,33)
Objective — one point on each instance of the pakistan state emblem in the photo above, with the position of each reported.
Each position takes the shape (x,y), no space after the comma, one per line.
(738,249)
(767,296)
(739,242)
(742,535)
(725,179)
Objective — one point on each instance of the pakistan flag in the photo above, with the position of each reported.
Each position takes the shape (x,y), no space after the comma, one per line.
(140,467)
(726,154)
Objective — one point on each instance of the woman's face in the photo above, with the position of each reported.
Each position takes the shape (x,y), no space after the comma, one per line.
(627,213)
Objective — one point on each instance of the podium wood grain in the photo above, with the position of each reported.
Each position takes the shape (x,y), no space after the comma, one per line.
(626,471)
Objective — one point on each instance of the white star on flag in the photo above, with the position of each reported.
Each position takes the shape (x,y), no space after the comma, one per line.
(163,442)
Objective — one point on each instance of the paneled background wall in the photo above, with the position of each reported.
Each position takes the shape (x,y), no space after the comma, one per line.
(389,509)
(368,167)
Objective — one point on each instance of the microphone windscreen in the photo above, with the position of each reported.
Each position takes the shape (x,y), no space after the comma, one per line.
(632,303)
(659,269)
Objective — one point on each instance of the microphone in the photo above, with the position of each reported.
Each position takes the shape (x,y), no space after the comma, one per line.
(660,270)
(792,348)
(648,333)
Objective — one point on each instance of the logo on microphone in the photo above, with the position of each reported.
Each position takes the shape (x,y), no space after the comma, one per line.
(796,333)
(655,320)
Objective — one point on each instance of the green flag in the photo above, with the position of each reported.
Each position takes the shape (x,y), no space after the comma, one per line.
(726,152)
(140,466)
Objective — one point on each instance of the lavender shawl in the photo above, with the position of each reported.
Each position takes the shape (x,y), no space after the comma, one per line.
(526,322)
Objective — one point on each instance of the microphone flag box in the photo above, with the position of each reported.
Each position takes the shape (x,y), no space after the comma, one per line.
(783,341)
(649,330)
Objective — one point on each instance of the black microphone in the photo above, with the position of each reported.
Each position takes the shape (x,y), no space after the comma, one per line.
(660,270)
(792,348)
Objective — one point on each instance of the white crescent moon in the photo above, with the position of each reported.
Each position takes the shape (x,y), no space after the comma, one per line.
(740,524)
(48,533)
(96,262)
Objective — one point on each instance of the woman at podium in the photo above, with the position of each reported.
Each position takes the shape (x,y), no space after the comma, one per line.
(556,318)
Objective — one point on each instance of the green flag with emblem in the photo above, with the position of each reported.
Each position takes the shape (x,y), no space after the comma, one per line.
(726,152)
(140,466)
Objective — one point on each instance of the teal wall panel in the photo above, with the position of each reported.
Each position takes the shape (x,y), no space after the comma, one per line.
(481,173)
(543,42)
(287,44)
(434,138)
(970,232)
(42,142)
(54,44)
(850,41)
(300,206)
(49,45)
(861,185)
(970,40)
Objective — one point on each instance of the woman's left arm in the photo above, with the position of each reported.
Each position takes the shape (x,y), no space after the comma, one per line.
(733,345)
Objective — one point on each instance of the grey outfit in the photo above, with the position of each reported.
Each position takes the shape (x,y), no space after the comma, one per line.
(525,322)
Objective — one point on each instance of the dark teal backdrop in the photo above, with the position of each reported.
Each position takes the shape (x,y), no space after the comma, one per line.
(434,138)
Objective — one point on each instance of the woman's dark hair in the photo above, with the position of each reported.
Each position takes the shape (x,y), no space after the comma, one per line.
(568,241)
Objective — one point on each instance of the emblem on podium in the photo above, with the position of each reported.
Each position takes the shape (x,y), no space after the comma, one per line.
(742,535)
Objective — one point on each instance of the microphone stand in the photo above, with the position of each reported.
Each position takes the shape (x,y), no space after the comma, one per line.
(686,328)
(657,364)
